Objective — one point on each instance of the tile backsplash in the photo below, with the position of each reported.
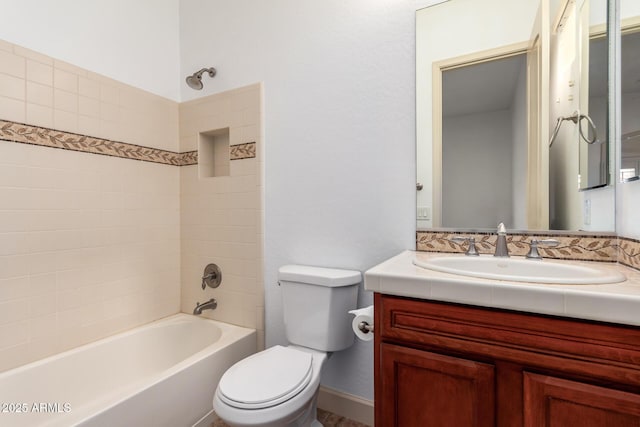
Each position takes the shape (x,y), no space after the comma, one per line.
(573,246)
(629,254)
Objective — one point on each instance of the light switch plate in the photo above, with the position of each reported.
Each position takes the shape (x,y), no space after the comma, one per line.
(424,213)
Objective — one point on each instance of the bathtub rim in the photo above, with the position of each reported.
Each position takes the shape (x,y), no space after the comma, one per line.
(226,327)
(229,334)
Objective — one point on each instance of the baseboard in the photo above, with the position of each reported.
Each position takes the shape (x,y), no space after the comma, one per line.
(346,405)
(207,420)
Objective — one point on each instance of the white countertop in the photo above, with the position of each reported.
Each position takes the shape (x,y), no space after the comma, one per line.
(617,303)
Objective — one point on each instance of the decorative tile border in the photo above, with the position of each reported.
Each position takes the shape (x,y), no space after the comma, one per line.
(629,253)
(243,151)
(572,246)
(27,134)
(35,135)
(189,158)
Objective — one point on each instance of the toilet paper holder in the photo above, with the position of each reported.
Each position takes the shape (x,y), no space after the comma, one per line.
(365,327)
(362,323)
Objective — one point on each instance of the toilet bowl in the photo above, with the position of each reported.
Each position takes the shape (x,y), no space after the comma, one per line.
(279,386)
(274,388)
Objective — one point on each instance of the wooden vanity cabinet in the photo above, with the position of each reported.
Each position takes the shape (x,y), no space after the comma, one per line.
(448,365)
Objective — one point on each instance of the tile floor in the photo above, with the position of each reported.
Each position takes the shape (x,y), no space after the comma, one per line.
(327,419)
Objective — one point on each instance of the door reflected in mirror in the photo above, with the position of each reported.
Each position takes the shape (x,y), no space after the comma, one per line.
(484,129)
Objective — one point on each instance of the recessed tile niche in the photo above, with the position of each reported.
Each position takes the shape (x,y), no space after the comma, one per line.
(213,153)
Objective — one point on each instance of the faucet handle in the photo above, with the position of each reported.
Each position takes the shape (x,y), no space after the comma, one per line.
(212,276)
(533,251)
(502,230)
(472,250)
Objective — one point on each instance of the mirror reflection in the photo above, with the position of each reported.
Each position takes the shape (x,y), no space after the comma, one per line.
(630,86)
(484,128)
(488,100)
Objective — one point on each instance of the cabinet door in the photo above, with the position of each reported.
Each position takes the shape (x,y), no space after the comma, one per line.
(555,402)
(425,389)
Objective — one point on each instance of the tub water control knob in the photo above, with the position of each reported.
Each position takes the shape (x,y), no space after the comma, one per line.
(212,276)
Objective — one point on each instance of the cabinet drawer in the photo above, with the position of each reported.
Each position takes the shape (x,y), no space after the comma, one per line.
(594,350)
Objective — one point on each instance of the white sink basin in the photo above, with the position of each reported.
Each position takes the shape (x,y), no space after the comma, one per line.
(521,270)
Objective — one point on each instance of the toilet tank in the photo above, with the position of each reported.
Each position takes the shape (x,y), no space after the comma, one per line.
(315,303)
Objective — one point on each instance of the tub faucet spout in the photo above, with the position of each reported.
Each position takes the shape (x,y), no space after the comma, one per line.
(209,305)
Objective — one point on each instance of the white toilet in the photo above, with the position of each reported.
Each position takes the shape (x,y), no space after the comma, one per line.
(279,386)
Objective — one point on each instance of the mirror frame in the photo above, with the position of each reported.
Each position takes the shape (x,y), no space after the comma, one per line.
(614,90)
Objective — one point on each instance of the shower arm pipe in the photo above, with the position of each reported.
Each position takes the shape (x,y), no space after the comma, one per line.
(577,119)
(194,81)
(211,71)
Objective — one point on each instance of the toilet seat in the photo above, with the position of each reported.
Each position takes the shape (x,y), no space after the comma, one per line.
(266,379)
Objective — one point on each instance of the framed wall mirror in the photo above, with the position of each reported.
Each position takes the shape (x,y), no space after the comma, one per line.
(488,101)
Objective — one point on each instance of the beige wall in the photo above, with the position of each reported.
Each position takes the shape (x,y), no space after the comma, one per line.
(89,244)
(222,216)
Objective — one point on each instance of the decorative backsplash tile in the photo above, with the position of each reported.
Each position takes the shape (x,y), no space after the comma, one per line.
(36,135)
(572,246)
(629,253)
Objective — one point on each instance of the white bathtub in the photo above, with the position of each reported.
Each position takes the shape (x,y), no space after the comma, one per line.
(161,374)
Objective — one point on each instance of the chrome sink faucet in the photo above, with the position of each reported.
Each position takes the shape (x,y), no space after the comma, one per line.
(533,251)
(209,305)
(471,250)
(501,244)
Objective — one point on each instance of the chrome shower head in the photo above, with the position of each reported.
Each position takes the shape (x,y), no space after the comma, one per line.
(194,81)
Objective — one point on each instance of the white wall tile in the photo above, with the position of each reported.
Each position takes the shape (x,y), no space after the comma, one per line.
(74,257)
(89,88)
(12,109)
(84,239)
(32,55)
(12,64)
(14,288)
(39,115)
(15,333)
(39,94)
(13,311)
(65,80)
(39,73)
(218,219)
(12,87)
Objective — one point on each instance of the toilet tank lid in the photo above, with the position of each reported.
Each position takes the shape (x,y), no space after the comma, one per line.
(330,277)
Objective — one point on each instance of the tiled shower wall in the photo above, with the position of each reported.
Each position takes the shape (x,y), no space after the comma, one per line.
(89,244)
(42,91)
(95,244)
(222,215)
